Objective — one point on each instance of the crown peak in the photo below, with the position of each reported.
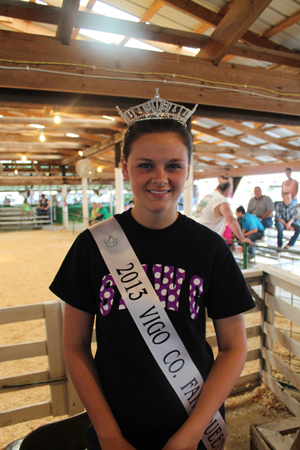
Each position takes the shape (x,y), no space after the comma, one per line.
(156,108)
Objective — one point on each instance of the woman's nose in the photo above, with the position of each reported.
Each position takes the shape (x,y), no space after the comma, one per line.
(159,176)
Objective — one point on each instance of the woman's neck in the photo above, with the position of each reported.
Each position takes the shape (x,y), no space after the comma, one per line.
(155,221)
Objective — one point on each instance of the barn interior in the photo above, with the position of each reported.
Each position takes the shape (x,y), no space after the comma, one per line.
(66,64)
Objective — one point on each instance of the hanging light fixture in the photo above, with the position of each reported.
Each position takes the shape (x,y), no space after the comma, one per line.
(85,168)
(56,116)
(42,137)
(24,158)
(80,153)
(99,169)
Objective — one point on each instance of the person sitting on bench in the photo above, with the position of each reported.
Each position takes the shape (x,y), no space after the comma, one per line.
(43,207)
(285,219)
(251,226)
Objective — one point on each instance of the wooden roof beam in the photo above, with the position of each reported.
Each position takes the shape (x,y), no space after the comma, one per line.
(124,62)
(136,30)
(232,28)
(97,148)
(212,132)
(257,133)
(202,13)
(283,25)
(24,26)
(218,158)
(249,170)
(51,15)
(154,8)
(67,20)
(245,151)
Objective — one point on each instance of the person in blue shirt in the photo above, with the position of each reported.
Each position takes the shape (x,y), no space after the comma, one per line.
(251,226)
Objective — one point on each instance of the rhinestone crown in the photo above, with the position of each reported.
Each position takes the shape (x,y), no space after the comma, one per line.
(156,108)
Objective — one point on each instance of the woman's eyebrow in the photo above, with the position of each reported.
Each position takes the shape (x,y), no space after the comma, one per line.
(142,158)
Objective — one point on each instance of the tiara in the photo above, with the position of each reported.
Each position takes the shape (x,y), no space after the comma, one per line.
(156,108)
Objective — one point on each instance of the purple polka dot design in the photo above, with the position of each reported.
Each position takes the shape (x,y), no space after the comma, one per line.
(106,294)
(196,289)
(167,290)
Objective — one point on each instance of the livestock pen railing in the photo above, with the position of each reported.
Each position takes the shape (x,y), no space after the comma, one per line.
(273,333)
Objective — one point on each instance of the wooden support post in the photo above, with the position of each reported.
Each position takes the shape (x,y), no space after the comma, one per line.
(266,341)
(57,371)
(118,179)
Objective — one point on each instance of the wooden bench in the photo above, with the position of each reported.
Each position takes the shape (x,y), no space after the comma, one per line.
(14,218)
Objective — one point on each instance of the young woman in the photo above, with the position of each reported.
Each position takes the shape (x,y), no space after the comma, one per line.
(129,400)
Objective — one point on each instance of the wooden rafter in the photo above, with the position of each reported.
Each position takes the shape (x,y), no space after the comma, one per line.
(257,133)
(214,133)
(232,28)
(67,20)
(141,62)
(283,25)
(97,148)
(244,151)
(93,21)
(204,14)
(154,8)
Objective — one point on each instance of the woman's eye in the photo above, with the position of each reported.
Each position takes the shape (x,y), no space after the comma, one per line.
(174,166)
(145,165)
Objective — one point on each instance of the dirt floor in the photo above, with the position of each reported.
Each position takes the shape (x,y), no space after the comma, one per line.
(28,263)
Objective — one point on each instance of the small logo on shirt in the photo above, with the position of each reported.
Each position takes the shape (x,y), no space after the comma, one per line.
(110,241)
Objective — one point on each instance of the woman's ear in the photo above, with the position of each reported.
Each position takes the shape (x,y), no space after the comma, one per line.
(124,168)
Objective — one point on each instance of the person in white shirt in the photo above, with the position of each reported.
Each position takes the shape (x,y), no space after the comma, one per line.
(213,210)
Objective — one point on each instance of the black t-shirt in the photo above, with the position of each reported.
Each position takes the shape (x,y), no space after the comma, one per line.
(192,270)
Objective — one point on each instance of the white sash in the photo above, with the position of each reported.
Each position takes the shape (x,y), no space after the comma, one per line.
(154,324)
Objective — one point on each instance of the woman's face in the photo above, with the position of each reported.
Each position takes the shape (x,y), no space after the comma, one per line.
(157,168)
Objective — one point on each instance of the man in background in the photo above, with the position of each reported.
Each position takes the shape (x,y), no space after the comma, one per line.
(262,207)
(285,219)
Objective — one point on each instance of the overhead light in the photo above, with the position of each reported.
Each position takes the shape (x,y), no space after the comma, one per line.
(80,153)
(42,137)
(36,125)
(72,135)
(24,158)
(57,119)
(109,118)
(99,169)
(16,172)
(1,116)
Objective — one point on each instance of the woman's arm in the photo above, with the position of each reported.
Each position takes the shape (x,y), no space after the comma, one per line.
(78,327)
(232,343)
